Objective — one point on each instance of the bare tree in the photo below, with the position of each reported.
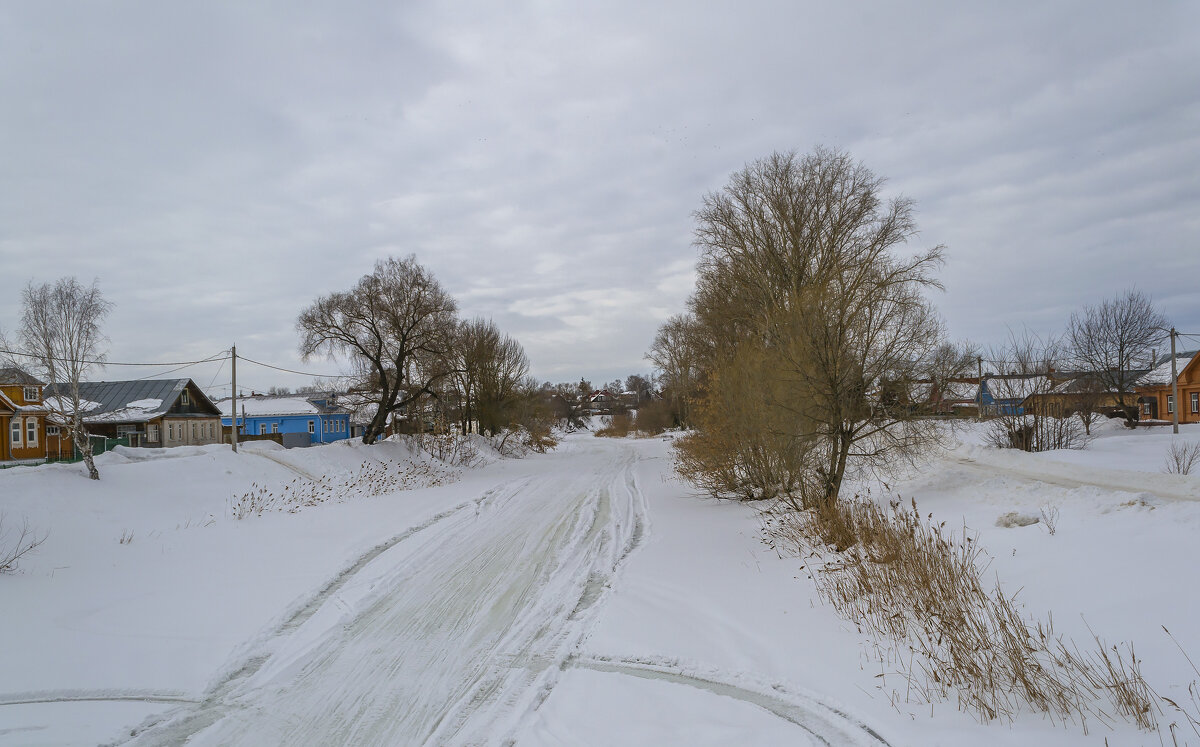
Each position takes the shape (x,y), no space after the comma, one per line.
(569,405)
(60,332)
(490,370)
(396,325)
(640,386)
(946,365)
(1031,410)
(1113,340)
(677,362)
(800,262)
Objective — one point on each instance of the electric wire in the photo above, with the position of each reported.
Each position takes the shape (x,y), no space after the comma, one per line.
(114,363)
(267,365)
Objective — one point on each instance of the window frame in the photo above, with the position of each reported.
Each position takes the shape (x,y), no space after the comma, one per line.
(31,432)
(1195,398)
(15,432)
(1170,404)
(152,435)
(183,397)
(36,396)
(312,427)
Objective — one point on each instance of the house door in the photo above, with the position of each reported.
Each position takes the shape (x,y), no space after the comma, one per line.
(1149,408)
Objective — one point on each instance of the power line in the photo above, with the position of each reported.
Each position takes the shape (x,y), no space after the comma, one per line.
(218,373)
(112,363)
(213,359)
(289,370)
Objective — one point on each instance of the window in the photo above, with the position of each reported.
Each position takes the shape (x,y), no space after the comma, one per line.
(262,429)
(31,431)
(52,430)
(1146,409)
(16,431)
(183,398)
(31,394)
(1170,403)
(312,427)
(193,431)
(152,432)
(274,427)
(1195,401)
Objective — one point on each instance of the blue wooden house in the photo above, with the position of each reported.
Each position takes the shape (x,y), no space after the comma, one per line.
(260,414)
(1004,395)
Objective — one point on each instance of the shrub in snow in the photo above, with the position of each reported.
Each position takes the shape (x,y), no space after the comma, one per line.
(16,542)
(1182,457)
(1037,433)
(1050,518)
(619,426)
(451,448)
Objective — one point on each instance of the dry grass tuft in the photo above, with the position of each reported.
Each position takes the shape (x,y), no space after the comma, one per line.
(620,425)
(916,587)
(16,542)
(371,479)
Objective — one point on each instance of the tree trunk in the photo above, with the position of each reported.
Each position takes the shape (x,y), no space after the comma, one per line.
(93,473)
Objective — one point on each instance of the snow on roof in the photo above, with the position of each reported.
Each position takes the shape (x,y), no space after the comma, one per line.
(258,406)
(1015,387)
(63,404)
(124,401)
(959,390)
(13,375)
(1161,374)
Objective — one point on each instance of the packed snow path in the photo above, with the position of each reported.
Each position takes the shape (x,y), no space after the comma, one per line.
(451,634)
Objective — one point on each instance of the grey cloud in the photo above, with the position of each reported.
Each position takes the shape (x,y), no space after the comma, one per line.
(219,166)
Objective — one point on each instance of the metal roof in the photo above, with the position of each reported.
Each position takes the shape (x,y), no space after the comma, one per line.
(13,375)
(112,400)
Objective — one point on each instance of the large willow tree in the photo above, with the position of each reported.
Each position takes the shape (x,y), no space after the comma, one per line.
(813,322)
(396,325)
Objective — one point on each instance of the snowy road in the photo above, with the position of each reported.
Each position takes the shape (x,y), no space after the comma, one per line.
(451,635)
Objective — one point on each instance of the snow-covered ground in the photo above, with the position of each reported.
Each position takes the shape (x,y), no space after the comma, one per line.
(580,597)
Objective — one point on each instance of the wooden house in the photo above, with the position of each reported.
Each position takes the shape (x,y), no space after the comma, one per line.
(317,419)
(22,417)
(1155,393)
(1067,393)
(157,413)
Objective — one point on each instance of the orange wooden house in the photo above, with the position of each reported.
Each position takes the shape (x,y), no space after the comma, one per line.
(1155,392)
(24,432)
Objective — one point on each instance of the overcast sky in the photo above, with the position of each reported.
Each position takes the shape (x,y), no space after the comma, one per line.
(218,166)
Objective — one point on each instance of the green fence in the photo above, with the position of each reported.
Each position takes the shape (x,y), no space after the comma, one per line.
(100,444)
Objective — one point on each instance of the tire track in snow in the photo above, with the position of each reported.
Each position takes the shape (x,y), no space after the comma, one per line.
(98,696)
(174,726)
(478,614)
(1113,481)
(826,723)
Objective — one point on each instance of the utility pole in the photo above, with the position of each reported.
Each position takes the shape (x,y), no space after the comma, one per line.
(233,409)
(1174,386)
(979,389)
